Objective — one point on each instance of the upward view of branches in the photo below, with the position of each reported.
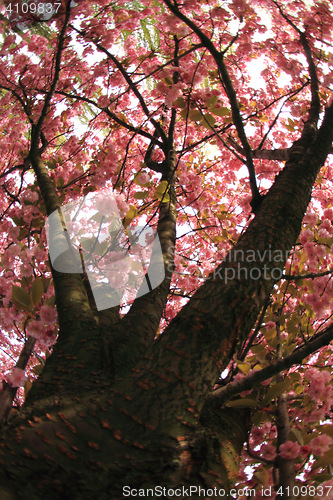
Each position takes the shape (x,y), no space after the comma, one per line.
(166,264)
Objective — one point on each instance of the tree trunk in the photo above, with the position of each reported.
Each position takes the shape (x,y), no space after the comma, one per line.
(84,432)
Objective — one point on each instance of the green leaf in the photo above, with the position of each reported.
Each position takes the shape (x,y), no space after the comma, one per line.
(62,198)
(38,369)
(162,187)
(52,164)
(141,195)
(164,198)
(327,459)
(320,478)
(261,476)
(146,32)
(184,113)
(42,208)
(132,212)
(25,281)
(161,192)
(259,351)
(89,189)
(21,298)
(291,128)
(326,429)
(257,418)
(276,390)
(46,282)
(298,436)
(27,387)
(244,367)
(38,222)
(168,80)
(17,220)
(222,111)
(40,359)
(36,291)
(195,115)
(179,102)
(22,233)
(270,334)
(208,121)
(211,101)
(242,403)
(60,182)
(50,301)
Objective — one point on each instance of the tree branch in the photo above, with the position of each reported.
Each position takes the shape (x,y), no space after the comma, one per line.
(286,466)
(36,129)
(292,277)
(222,395)
(230,91)
(314,112)
(267,154)
(133,86)
(263,154)
(309,132)
(9,392)
(112,115)
(142,320)
(175,79)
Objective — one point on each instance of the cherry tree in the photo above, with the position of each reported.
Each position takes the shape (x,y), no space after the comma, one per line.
(209,124)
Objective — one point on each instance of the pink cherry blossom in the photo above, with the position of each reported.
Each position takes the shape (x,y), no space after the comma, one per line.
(143,178)
(318,380)
(48,338)
(103,101)
(310,249)
(35,329)
(306,235)
(320,444)
(48,314)
(106,204)
(16,378)
(328,214)
(289,450)
(26,270)
(268,451)
(310,217)
(257,435)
